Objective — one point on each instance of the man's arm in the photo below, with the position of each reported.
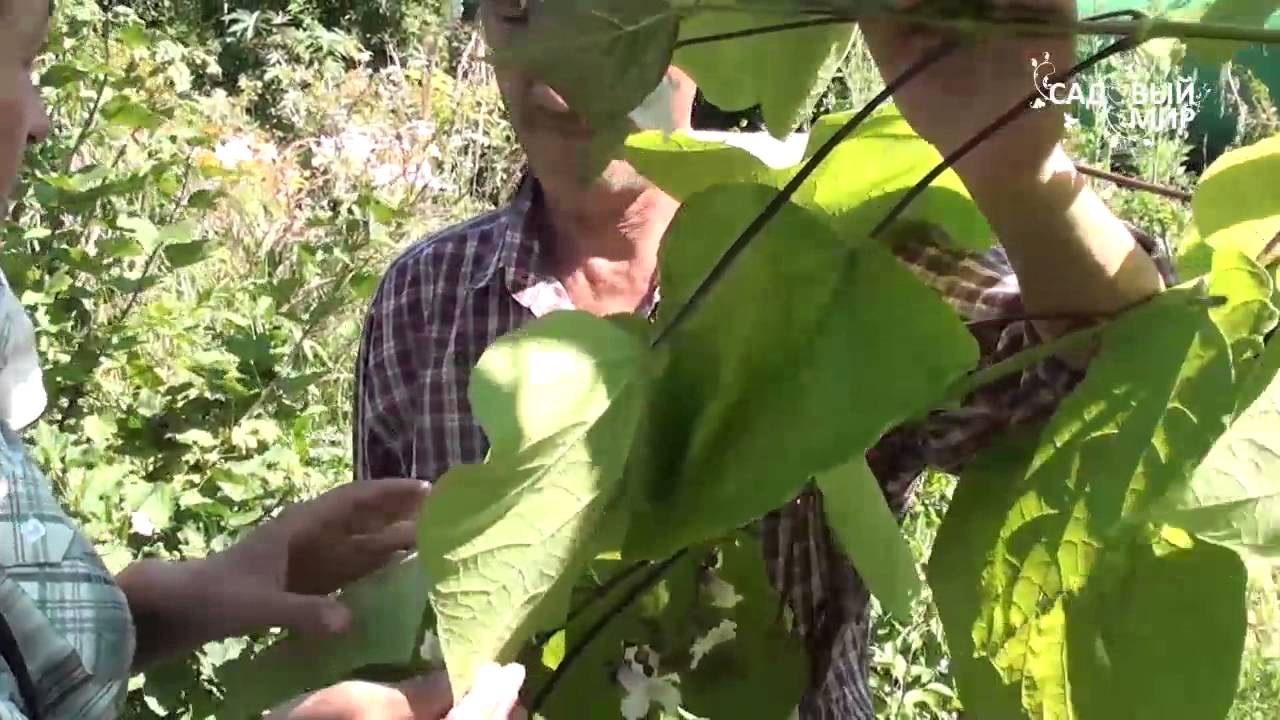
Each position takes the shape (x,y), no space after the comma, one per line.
(993,299)
(1073,257)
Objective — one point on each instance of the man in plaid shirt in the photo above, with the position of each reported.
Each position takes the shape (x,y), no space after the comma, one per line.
(557,245)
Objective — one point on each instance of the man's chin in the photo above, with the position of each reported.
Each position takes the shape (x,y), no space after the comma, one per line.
(565,173)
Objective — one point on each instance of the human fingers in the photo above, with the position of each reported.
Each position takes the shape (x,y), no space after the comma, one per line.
(255,608)
(381,545)
(428,696)
(494,695)
(374,505)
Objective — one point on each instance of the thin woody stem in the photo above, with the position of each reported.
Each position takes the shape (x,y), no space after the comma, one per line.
(597,593)
(571,656)
(748,32)
(1135,183)
(1139,26)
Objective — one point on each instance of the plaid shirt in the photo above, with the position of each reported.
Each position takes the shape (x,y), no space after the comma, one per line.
(447,297)
(72,623)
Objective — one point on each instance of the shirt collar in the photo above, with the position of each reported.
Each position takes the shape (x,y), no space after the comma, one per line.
(521,254)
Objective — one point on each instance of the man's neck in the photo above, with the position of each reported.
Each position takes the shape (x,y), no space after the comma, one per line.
(604,244)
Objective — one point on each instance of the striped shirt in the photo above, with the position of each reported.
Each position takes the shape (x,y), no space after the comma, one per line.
(447,297)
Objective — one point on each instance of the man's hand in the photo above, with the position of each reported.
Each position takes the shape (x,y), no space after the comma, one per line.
(279,575)
(957,97)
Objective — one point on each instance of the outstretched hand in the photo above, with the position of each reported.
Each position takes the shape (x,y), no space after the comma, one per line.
(279,575)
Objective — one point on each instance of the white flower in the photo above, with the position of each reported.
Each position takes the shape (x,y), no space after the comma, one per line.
(429,651)
(384,175)
(357,146)
(141,524)
(724,632)
(268,152)
(639,677)
(233,152)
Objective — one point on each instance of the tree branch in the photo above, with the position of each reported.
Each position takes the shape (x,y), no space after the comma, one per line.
(1134,183)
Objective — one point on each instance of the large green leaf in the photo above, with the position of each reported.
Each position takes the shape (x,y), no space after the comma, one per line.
(1133,654)
(1234,496)
(1025,588)
(565,368)
(389,611)
(801,61)
(1250,313)
(803,355)
(1235,204)
(1119,645)
(504,541)
(987,492)
(1248,13)
(868,532)
(602,56)
(1120,442)
(854,187)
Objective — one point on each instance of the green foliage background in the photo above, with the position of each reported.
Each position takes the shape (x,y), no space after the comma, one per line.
(199,237)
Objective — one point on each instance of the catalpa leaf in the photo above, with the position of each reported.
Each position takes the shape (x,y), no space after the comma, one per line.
(388,613)
(1156,397)
(565,368)
(1131,652)
(801,62)
(730,681)
(1118,645)
(1250,313)
(1234,204)
(1116,445)
(853,188)
(987,492)
(789,350)
(504,541)
(868,532)
(603,57)
(1246,13)
(1234,497)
